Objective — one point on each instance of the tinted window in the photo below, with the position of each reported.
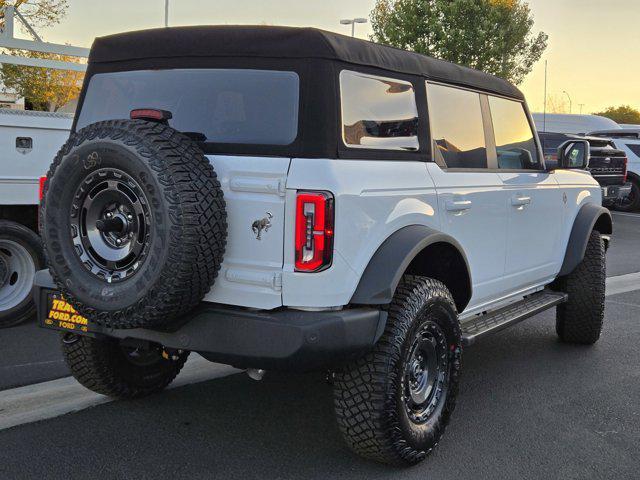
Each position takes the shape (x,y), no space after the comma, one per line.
(378,112)
(515,144)
(634,148)
(456,126)
(227,106)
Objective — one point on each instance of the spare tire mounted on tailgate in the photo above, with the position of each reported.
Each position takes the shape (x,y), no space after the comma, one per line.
(134,223)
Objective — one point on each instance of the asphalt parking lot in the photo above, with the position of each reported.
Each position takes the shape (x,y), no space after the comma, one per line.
(530,407)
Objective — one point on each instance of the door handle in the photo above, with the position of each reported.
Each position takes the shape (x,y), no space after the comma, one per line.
(458,205)
(520,201)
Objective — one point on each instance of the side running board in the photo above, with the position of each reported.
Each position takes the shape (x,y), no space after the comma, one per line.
(491,322)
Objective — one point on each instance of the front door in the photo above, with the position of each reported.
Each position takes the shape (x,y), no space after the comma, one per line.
(533,197)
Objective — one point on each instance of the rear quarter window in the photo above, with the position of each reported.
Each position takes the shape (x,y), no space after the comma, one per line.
(232,106)
(378,112)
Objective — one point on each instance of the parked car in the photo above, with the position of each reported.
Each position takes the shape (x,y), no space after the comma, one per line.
(333,223)
(627,140)
(575,124)
(607,164)
(29,139)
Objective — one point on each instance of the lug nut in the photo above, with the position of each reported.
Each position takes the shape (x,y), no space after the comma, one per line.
(129,217)
(109,215)
(118,241)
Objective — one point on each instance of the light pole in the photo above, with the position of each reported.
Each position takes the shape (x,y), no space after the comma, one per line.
(352,22)
(570,102)
(166,13)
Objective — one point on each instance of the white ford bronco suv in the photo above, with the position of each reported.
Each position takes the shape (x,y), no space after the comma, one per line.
(293,199)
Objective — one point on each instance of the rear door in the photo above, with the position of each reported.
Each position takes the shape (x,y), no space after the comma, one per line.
(534,201)
(470,197)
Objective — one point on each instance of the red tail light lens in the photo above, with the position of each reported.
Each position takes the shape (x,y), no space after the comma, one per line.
(314,231)
(43,180)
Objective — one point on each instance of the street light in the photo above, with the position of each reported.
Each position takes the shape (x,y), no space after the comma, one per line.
(352,22)
(166,13)
(570,103)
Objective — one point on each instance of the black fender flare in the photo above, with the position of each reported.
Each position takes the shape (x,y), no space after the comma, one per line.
(385,269)
(589,216)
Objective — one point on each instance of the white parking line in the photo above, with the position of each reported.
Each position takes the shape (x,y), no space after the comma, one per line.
(623,214)
(623,284)
(59,397)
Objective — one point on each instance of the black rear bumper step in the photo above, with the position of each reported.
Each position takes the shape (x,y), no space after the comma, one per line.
(283,339)
(492,322)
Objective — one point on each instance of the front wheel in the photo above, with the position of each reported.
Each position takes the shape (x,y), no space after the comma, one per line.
(393,404)
(110,367)
(579,320)
(20,257)
(631,202)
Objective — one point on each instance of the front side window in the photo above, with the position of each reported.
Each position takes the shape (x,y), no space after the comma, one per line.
(258,107)
(515,144)
(457,128)
(378,112)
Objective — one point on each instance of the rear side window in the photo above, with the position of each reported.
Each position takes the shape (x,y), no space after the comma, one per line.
(225,105)
(378,112)
(515,144)
(456,126)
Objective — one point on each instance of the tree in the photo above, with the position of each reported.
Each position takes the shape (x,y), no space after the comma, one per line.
(39,13)
(622,114)
(490,35)
(43,88)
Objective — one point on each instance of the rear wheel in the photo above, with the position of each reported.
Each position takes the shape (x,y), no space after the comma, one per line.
(631,202)
(393,404)
(579,320)
(20,257)
(113,368)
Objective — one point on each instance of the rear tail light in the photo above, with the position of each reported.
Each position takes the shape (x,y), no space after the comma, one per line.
(626,161)
(43,180)
(314,231)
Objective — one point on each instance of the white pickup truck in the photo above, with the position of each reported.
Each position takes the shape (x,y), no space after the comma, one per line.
(28,142)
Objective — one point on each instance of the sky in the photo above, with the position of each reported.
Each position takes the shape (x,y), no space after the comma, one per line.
(593,52)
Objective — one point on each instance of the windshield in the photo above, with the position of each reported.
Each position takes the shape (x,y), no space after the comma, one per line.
(226,106)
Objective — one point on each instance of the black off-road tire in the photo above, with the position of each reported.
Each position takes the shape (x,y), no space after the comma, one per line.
(103,366)
(185,235)
(632,202)
(28,244)
(579,320)
(369,397)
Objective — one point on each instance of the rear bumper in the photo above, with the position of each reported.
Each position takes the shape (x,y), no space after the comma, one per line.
(284,339)
(614,193)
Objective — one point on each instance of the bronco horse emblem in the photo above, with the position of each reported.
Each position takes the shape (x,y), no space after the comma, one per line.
(261,225)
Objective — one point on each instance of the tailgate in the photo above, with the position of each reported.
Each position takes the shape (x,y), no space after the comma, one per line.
(254,192)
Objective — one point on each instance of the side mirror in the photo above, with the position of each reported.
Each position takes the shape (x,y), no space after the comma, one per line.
(574,155)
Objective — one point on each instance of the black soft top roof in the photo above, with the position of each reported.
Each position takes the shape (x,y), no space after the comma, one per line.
(286,42)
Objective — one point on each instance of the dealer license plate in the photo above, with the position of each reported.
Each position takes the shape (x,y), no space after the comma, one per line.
(60,315)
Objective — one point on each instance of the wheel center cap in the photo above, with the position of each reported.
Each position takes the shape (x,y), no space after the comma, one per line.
(4,271)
